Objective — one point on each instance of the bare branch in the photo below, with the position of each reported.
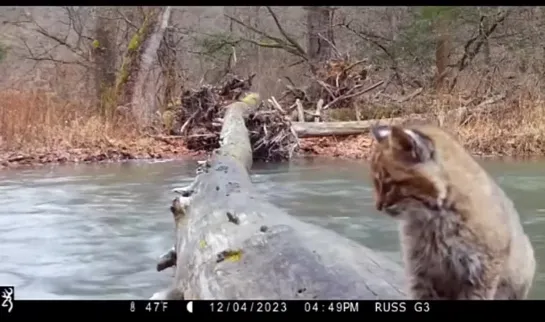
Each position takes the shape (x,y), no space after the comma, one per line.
(470,52)
(257,31)
(369,38)
(337,52)
(285,34)
(348,95)
(126,19)
(287,45)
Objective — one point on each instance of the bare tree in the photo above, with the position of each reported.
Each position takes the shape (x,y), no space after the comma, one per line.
(104,53)
(320,42)
(320,39)
(442,51)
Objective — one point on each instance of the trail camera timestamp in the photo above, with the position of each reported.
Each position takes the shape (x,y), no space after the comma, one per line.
(331,306)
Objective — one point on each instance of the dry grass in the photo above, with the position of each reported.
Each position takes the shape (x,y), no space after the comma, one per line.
(514,128)
(40,127)
(40,120)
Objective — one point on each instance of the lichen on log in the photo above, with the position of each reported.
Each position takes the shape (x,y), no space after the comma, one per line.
(233,244)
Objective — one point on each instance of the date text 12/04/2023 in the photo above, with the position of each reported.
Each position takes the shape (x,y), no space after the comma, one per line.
(318,306)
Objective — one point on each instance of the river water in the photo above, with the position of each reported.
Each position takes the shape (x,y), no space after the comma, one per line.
(95,231)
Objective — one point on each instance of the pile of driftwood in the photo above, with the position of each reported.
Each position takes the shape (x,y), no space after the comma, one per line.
(199,117)
(338,83)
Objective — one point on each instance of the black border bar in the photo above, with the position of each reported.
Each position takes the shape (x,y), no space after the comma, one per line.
(24,309)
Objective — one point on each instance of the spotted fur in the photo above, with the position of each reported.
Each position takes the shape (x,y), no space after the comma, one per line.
(460,234)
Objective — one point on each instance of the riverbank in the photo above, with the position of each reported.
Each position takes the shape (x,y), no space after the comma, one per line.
(146,148)
(39,128)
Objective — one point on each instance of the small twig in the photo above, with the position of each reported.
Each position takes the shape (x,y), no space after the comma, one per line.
(372,87)
(491,100)
(300,110)
(337,52)
(326,87)
(319,106)
(410,96)
(277,105)
(349,67)
(186,124)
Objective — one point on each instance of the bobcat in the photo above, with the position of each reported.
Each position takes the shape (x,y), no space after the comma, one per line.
(461,236)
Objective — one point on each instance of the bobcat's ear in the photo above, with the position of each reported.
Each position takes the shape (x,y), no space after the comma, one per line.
(380,132)
(411,144)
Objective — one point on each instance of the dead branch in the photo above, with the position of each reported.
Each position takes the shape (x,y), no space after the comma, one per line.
(394,66)
(372,87)
(319,107)
(285,34)
(300,111)
(288,44)
(473,45)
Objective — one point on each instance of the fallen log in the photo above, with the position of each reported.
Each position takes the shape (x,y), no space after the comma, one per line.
(233,244)
(316,129)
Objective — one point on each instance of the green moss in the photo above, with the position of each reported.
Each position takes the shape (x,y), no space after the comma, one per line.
(3,51)
(135,42)
(131,54)
(95,44)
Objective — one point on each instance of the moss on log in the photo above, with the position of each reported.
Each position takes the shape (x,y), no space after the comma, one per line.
(233,244)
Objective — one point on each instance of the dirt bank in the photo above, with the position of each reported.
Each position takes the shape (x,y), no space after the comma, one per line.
(350,147)
(146,148)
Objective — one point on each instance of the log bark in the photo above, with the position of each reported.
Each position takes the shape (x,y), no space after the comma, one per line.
(233,244)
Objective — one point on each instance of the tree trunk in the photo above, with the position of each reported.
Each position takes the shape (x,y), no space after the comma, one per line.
(320,38)
(169,74)
(256,50)
(233,244)
(442,52)
(104,54)
(143,99)
(319,23)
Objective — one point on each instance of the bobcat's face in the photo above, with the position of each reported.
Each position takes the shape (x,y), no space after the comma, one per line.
(401,161)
